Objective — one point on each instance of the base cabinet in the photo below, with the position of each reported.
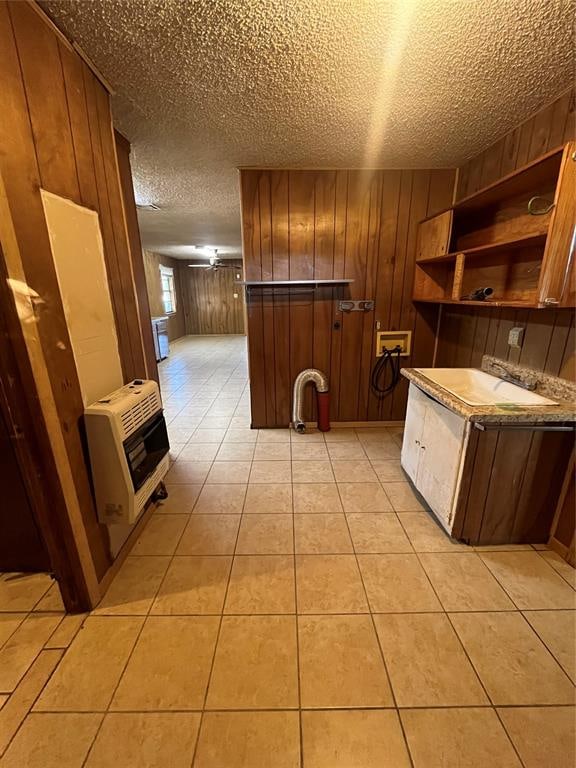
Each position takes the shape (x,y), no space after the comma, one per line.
(500,485)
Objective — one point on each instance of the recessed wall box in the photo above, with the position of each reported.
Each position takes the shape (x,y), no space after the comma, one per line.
(516,337)
(391,339)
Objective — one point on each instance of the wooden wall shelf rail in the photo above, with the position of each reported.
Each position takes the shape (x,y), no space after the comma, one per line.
(287,283)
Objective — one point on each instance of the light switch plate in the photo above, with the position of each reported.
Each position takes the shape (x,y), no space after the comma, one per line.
(515,337)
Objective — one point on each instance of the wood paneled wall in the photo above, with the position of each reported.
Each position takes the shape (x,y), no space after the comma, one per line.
(334,224)
(466,333)
(152,263)
(212,302)
(56,133)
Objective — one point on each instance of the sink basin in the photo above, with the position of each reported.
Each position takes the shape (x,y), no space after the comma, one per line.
(478,388)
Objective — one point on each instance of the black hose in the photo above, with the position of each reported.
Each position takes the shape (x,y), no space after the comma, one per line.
(380,371)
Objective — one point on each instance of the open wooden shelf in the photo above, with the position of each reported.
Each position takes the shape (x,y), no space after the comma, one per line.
(491,240)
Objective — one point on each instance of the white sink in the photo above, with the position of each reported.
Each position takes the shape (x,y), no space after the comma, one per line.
(478,388)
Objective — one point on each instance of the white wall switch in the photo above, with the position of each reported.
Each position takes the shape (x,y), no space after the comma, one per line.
(515,337)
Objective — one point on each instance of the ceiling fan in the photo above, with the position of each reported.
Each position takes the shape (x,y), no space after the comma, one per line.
(214,264)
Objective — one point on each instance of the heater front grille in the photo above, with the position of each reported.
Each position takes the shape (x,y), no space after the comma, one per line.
(136,415)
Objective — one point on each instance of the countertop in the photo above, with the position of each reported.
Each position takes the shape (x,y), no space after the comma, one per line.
(495,414)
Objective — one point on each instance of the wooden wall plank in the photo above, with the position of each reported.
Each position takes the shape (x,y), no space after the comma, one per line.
(325,224)
(210,306)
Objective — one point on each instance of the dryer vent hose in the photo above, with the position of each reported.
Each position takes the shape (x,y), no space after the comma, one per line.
(320,381)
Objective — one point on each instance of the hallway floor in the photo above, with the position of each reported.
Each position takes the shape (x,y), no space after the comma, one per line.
(291,604)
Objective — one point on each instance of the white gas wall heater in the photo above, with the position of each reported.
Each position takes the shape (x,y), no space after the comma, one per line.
(128,445)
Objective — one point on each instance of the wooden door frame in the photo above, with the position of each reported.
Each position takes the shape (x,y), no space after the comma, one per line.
(28,399)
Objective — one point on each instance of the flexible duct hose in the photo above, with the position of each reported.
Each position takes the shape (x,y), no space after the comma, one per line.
(320,381)
(380,370)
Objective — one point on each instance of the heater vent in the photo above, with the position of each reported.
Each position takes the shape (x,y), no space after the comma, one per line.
(134,417)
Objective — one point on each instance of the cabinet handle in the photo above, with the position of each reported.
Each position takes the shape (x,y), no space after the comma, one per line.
(422,447)
(417,442)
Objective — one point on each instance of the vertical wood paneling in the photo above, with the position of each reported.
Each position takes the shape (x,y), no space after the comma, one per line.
(466,333)
(323,224)
(56,133)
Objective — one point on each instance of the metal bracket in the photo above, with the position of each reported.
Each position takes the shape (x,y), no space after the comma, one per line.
(365,305)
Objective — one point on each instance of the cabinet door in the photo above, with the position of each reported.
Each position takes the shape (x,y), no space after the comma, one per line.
(442,442)
(434,236)
(413,426)
(557,286)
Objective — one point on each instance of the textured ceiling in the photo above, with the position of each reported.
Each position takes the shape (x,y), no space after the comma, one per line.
(205,86)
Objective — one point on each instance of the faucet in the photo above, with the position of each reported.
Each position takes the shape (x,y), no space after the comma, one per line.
(513,378)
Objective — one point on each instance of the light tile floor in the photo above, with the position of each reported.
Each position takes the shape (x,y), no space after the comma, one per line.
(291,604)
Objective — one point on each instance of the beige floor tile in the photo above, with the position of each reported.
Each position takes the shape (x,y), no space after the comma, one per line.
(89,672)
(529,580)
(426,663)
(235,452)
(22,647)
(179,435)
(363,497)
(557,630)
(221,499)
(463,583)
(340,663)
(389,470)
(457,738)
(199,452)
(270,472)
(51,601)
(402,497)
(193,585)
(426,534)
(207,435)
(229,472)
(188,472)
(312,435)
(377,533)
(255,665)
(510,659)
(161,535)
(66,631)
(387,451)
(209,535)
(181,499)
(274,436)
(18,705)
(316,498)
(329,584)
(261,584)
(341,434)
(351,738)
(170,665)
(397,584)
(545,737)
(353,471)
(275,498)
(52,741)
(241,435)
(307,451)
(134,587)
(265,535)
(312,471)
(318,534)
(146,739)
(560,565)
(249,740)
(272,452)
(21,591)
(9,623)
(353,450)
(215,422)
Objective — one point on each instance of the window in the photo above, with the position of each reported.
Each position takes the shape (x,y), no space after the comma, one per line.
(168,289)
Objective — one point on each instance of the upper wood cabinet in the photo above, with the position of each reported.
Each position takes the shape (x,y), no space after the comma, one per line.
(516,236)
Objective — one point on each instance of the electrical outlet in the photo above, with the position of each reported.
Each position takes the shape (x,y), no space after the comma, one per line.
(515,337)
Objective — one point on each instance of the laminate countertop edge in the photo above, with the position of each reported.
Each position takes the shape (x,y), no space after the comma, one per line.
(493,414)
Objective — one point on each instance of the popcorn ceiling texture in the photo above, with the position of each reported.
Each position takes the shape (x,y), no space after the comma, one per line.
(205,86)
